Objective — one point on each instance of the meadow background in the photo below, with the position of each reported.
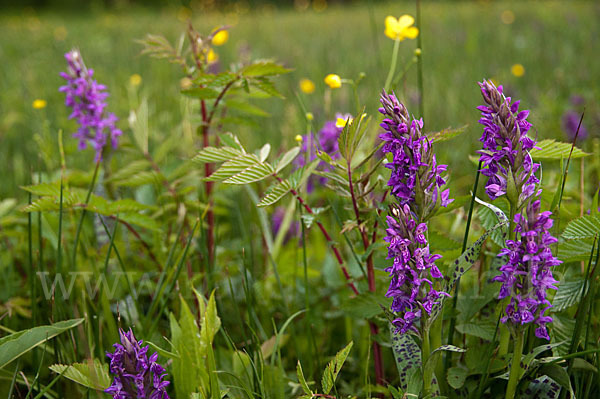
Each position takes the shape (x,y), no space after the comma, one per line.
(555,43)
(463,42)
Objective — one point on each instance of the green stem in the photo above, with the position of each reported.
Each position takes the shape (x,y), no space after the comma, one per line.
(435,338)
(83,212)
(425,353)
(515,367)
(420,61)
(390,76)
(504,333)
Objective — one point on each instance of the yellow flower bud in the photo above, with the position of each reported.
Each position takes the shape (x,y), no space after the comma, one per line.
(309,116)
(39,103)
(298,138)
(418,51)
(334,81)
(212,57)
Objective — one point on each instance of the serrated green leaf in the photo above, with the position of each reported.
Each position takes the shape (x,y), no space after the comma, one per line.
(259,69)
(202,93)
(92,374)
(583,227)
(251,174)
(569,293)
(302,380)
(17,344)
(214,154)
(234,166)
(287,158)
(551,149)
(140,179)
(266,86)
(275,193)
(481,329)
(333,368)
(264,152)
(44,189)
(446,134)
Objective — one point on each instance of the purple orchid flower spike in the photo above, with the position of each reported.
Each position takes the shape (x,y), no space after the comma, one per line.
(136,374)
(87,98)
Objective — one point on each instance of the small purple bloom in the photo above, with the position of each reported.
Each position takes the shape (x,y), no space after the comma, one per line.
(570,122)
(327,141)
(506,146)
(527,274)
(87,98)
(136,375)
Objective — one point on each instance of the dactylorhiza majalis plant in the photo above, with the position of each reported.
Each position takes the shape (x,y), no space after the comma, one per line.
(136,374)
(416,182)
(87,98)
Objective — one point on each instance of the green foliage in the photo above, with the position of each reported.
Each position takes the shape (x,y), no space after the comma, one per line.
(550,149)
(92,374)
(333,368)
(17,344)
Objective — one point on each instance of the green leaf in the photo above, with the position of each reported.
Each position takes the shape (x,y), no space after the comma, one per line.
(252,174)
(287,158)
(481,329)
(365,306)
(259,69)
(266,86)
(129,170)
(408,356)
(574,250)
(456,377)
(247,108)
(558,374)
(569,293)
(275,193)
(551,149)
(213,154)
(233,167)
(584,227)
(446,134)
(17,344)
(302,380)
(202,93)
(333,368)
(92,374)
(43,189)
(543,387)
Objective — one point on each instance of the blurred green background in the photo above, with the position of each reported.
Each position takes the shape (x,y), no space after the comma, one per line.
(463,42)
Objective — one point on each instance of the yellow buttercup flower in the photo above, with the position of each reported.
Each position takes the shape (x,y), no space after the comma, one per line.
(334,81)
(135,80)
(298,138)
(400,29)
(220,38)
(517,70)
(39,103)
(212,57)
(341,122)
(307,86)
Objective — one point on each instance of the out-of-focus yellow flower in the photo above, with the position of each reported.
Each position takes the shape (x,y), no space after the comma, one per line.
(135,80)
(400,29)
(39,103)
(184,13)
(307,86)
(334,81)
(298,138)
(319,5)
(418,52)
(495,82)
(212,57)
(341,122)
(517,70)
(220,38)
(60,33)
(507,17)
(309,116)
(185,83)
